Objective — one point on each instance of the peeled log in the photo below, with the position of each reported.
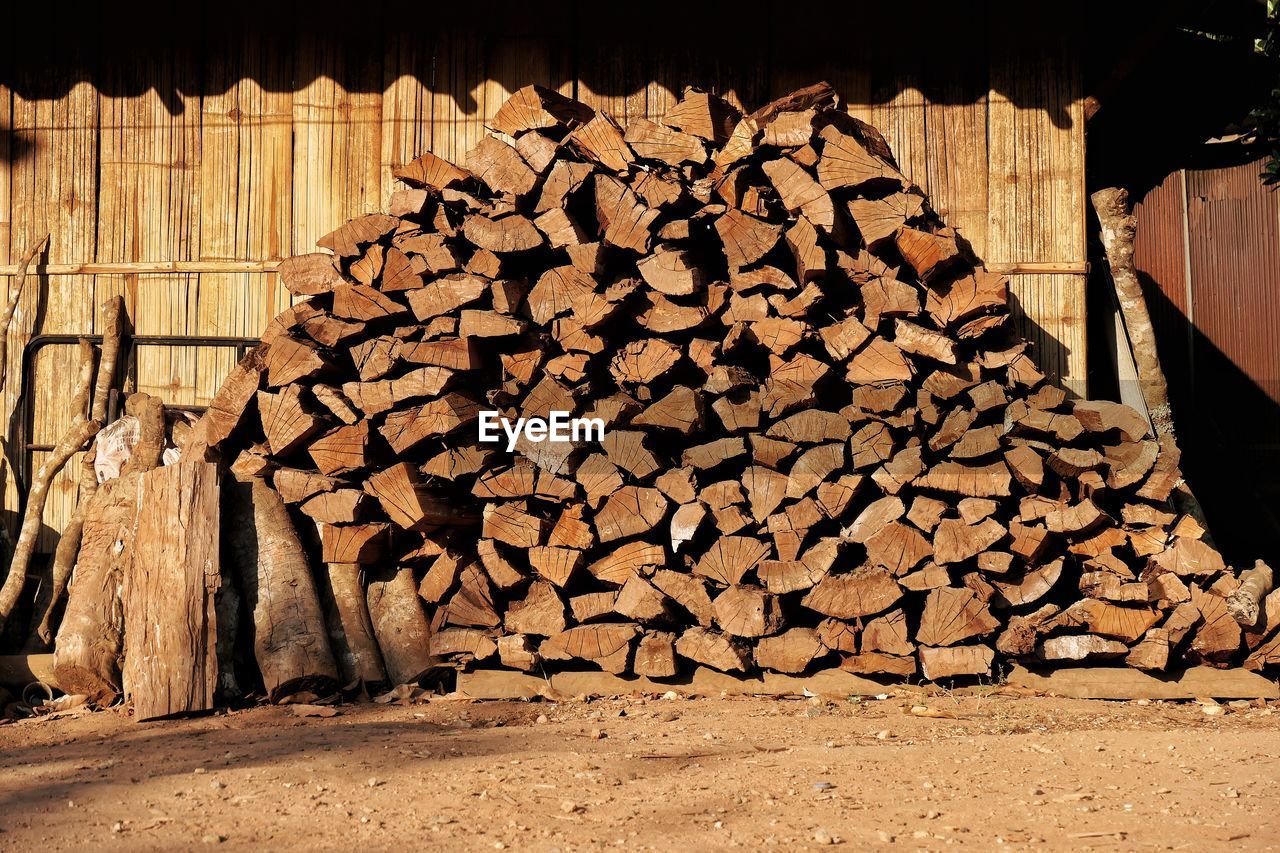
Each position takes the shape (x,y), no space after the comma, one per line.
(1245,604)
(350,628)
(402,630)
(289,638)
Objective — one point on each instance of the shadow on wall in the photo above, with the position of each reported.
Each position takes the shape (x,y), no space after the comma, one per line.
(1229,431)
(202,47)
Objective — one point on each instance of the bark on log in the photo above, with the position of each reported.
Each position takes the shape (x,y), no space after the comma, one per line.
(90,638)
(1118,227)
(64,556)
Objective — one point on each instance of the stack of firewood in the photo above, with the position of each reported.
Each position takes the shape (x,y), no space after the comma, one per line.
(822,445)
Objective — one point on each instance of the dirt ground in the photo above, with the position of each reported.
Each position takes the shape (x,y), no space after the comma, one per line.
(691,774)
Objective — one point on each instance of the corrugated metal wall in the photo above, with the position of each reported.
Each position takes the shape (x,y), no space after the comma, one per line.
(248,149)
(1208,246)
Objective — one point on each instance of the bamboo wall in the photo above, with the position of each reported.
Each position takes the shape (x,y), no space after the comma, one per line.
(252,149)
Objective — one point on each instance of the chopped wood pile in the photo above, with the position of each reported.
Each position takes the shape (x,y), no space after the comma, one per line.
(822,444)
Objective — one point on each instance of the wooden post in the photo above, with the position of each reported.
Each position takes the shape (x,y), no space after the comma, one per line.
(170,656)
(1118,227)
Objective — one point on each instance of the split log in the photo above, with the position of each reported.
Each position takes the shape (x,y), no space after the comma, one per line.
(952,661)
(790,651)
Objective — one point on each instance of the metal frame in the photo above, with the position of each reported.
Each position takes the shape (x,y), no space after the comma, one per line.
(128,347)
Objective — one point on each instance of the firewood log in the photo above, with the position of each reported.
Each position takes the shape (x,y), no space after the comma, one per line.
(1245,604)
(350,628)
(83,427)
(820,432)
(64,557)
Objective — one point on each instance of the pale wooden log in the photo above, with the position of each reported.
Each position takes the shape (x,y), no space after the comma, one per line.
(955,660)
(517,652)
(712,649)
(290,643)
(607,645)
(655,655)
(540,613)
(400,626)
(350,628)
(1245,604)
(170,654)
(1118,228)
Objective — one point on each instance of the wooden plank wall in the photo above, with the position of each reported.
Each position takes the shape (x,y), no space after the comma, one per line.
(224,157)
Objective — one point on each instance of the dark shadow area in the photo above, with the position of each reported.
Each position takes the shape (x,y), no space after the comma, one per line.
(1165,93)
(174,748)
(614,49)
(1229,430)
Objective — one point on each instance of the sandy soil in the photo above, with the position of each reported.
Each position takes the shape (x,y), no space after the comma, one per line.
(1032,773)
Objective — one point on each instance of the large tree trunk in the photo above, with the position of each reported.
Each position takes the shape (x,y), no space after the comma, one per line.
(289,639)
(64,556)
(170,657)
(87,650)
